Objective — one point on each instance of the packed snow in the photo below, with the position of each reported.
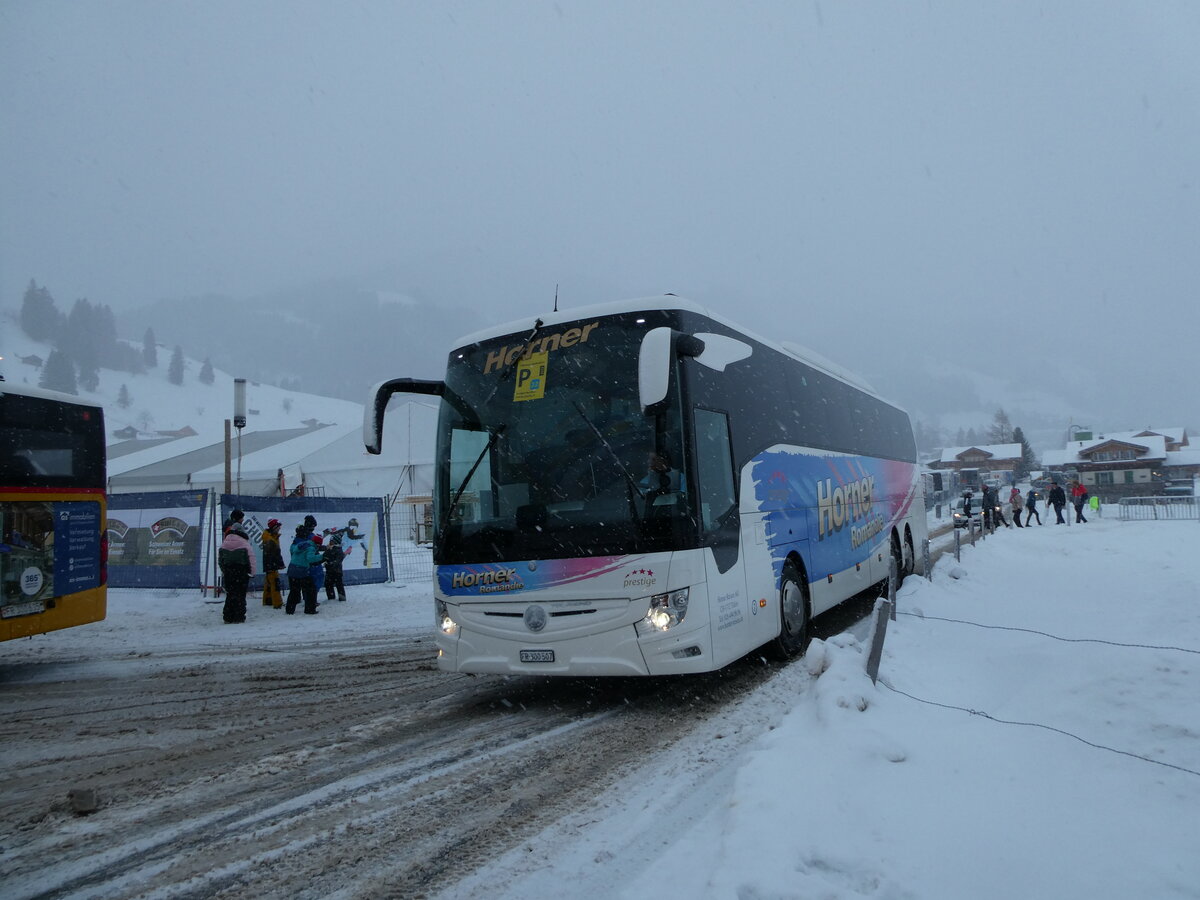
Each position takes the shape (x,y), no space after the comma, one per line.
(1034,733)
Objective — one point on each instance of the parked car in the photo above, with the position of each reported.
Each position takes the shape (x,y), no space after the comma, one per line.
(960,519)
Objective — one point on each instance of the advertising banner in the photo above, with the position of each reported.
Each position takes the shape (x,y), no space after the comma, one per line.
(49,548)
(154,538)
(358,523)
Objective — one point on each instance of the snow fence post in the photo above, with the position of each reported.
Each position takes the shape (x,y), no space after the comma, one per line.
(893,577)
(957,547)
(925,567)
(877,635)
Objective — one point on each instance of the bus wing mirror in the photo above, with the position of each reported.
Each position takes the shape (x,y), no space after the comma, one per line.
(720,351)
(377,402)
(659,345)
(654,367)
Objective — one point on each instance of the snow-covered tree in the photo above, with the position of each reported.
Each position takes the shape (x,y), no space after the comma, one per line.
(175,368)
(1029,460)
(123,398)
(206,372)
(149,349)
(40,318)
(1001,429)
(58,374)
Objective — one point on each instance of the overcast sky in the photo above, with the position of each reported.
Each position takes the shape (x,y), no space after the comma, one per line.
(845,174)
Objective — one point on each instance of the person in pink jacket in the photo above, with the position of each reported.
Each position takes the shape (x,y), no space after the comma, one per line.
(236,558)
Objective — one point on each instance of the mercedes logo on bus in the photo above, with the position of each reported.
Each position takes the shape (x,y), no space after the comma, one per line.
(534,618)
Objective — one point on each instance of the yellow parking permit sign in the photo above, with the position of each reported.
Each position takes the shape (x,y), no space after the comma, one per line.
(531,377)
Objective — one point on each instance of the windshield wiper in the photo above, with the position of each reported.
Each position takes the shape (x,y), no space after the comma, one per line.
(471,474)
(631,485)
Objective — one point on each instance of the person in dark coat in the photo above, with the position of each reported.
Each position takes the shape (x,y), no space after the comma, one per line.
(1031,512)
(304,555)
(236,559)
(272,565)
(1079,496)
(1058,499)
(333,569)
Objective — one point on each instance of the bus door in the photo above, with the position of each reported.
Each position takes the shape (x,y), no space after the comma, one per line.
(720,526)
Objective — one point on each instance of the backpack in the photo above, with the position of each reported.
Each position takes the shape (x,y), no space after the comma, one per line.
(238,557)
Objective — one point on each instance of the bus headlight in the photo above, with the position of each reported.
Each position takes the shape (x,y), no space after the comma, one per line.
(664,611)
(441,616)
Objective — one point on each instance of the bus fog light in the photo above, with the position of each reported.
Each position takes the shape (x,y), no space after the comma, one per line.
(445,623)
(664,611)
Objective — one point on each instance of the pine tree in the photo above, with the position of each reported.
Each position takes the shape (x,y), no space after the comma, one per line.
(1001,429)
(1029,460)
(40,318)
(58,374)
(175,369)
(89,375)
(123,398)
(206,371)
(149,349)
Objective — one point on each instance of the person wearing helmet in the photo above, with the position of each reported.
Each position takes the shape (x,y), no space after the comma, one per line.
(272,565)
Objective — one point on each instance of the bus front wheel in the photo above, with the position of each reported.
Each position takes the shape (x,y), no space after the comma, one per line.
(794,632)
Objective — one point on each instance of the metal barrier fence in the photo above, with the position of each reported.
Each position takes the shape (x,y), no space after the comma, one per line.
(1146,508)
(412,551)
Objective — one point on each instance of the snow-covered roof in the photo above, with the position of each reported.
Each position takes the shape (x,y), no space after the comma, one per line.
(1075,452)
(994,451)
(1188,457)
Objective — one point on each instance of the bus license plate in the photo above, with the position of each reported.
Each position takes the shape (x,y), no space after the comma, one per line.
(28,609)
(537,656)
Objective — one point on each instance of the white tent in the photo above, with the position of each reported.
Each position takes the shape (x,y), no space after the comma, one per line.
(343,468)
(329,457)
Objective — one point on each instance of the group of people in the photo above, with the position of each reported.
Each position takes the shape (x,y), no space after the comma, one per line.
(311,565)
(1056,499)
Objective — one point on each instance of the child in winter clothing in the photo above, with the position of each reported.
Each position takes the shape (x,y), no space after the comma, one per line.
(304,555)
(236,558)
(333,569)
(1031,507)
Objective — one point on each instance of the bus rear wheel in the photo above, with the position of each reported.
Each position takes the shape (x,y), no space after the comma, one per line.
(794,618)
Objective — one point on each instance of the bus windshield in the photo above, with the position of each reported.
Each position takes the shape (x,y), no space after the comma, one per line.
(548,454)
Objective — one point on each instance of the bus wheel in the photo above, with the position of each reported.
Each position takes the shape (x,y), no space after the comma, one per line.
(898,556)
(794,633)
(909,553)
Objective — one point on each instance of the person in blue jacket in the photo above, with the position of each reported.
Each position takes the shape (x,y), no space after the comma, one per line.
(304,555)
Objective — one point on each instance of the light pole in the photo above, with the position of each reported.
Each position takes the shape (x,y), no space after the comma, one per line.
(239,422)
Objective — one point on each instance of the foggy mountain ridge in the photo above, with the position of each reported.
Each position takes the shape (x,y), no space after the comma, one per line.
(333,339)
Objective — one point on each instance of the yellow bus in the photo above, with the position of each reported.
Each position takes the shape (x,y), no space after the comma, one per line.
(53,542)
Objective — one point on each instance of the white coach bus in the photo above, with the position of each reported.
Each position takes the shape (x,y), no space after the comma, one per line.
(643,488)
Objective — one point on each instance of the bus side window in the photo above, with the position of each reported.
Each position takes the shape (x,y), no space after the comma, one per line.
(714,468)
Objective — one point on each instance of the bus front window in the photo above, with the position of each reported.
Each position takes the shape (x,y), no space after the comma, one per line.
(563,469)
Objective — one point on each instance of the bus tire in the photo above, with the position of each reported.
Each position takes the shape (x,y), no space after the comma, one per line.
(910,553)
(898,556)
(794,613)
